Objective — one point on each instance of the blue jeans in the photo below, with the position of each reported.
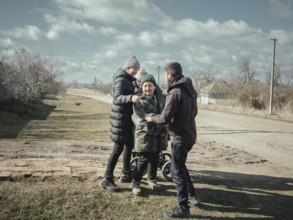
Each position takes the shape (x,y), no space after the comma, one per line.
(180,174)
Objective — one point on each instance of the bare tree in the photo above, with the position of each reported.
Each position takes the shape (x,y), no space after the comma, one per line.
(250,95)
(245,74)
(204,77)
(287,78)
(98,85)
(29,77)
(283,77)
(94,84)
(283,95)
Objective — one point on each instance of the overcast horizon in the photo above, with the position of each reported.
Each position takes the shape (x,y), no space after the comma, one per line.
(89,39)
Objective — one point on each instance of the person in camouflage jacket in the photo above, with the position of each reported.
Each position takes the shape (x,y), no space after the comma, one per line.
(149,138)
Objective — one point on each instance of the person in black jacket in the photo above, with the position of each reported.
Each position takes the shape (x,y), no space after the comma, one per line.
(179,112)
(121,123)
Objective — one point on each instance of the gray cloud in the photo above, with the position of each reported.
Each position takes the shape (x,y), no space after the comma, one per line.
(282,8)
(115,11)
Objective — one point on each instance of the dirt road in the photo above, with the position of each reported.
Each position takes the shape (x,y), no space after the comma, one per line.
(269,139)
(107,99)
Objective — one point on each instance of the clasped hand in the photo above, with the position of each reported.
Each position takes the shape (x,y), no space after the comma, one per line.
(148,117)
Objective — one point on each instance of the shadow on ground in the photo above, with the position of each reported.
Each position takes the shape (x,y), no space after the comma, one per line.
(14,117)
(244,195)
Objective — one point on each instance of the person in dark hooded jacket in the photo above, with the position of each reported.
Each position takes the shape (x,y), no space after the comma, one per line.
(179,112)
(121,123)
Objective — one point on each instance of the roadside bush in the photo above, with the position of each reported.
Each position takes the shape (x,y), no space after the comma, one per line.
(250,95)
(28,78)
(289,106)
(283,98)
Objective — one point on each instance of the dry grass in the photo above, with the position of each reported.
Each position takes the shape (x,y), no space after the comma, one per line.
(222,198)
(60,119)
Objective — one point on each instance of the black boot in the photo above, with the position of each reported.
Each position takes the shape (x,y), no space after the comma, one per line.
(126,177)
(178,212)
(109,185)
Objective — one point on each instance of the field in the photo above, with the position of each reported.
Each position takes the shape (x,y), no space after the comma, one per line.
(52,160)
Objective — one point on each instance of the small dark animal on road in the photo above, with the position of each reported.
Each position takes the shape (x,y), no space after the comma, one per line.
(78,103)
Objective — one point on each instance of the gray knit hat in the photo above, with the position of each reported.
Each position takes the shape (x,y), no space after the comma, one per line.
(148,78)
(132,62)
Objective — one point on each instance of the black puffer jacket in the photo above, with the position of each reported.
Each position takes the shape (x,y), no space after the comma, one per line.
(120,116)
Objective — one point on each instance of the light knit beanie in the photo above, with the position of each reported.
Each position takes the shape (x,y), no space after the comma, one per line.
(141,72)
(132,62)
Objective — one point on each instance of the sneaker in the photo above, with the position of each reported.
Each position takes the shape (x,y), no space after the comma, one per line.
(124,178)
(178,212)
(193,199)
(109,185)
(136,190)
(154,185)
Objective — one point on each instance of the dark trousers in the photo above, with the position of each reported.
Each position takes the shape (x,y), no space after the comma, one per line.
(145,158)
(180,174)
(118,149)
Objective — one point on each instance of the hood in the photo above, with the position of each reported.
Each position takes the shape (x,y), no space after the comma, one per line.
(183,82)
(121,73)
(158,90)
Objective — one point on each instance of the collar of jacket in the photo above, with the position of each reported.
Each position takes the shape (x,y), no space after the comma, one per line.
(177,82)
(145,100)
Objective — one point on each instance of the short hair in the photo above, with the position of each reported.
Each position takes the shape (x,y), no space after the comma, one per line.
(174,68)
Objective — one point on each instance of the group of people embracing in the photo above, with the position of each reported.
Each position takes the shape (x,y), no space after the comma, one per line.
(141,119)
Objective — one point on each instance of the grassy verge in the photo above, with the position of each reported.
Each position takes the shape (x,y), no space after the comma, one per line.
(82,199)
(60,119)
(73,199)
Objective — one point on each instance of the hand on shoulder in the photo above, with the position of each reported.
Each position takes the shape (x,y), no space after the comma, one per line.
(135,98)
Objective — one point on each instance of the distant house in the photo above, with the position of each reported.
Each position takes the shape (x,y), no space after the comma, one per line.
(216,93)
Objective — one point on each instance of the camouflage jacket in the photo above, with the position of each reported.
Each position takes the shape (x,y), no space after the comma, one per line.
(149,137)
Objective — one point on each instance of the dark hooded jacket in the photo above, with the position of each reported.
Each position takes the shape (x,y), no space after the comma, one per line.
(180,110)
(120,116)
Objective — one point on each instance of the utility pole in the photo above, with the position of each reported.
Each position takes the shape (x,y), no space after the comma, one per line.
(158,75)
(272,75)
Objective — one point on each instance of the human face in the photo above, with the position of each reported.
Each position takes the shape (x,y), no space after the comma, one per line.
(148,88)
(132,71)
(168,78)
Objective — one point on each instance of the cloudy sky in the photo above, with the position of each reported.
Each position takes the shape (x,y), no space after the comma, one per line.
(93,38)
